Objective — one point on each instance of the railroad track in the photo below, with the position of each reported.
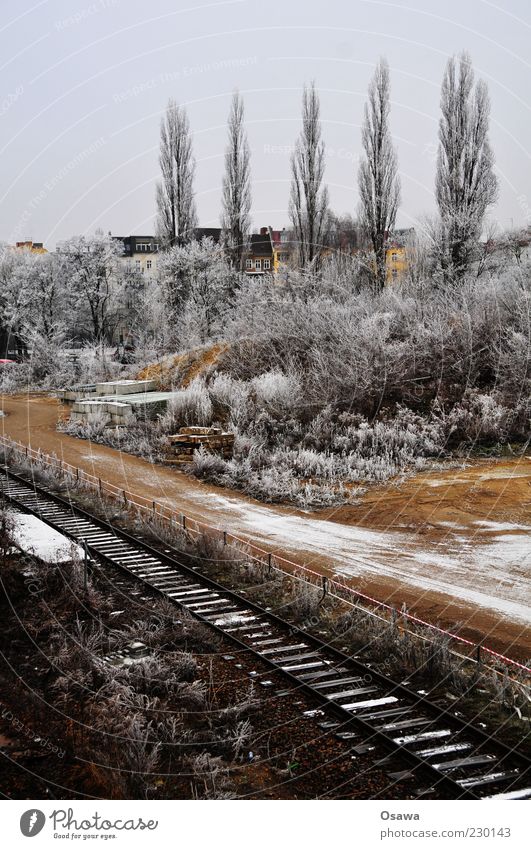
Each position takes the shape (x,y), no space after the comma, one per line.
(442,751)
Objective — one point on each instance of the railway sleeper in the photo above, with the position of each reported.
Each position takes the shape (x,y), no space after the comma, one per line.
(460,763)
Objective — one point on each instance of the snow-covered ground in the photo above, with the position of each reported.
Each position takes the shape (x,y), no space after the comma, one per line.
(491,570)
(35,537)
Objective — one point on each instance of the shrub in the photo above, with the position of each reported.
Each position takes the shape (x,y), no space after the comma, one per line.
(209,466)
(277,392)
(192,406)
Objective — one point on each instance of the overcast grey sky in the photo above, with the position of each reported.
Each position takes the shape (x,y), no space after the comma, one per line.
(85,82)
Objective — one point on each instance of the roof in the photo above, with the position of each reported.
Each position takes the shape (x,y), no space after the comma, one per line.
(260,245)
(130,244)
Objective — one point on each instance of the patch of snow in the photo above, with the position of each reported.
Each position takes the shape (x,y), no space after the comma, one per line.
(35,537)
(500,526)
(490,573)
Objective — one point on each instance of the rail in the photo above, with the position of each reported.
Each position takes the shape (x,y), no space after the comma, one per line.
(193,527)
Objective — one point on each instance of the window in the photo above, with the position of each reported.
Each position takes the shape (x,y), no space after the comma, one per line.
(394,273)
(149,264)
(248,263)
(394,257)
(267,264)
(258,265)
(138,265)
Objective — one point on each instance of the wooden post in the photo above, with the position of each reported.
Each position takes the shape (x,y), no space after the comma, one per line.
(77,474)
(224,537)
(99,484)
(184,522)
(478,653)
(125,497)
(325,586)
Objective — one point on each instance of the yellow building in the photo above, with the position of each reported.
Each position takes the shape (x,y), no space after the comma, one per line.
(33,247)
(395,262)
(397,253)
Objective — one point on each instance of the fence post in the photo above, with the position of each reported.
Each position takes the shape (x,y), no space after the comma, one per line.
(125,497)
(478,653)
(184,521)
(224,537)
(85,565)
(325,586)
(99,485)
(77,473)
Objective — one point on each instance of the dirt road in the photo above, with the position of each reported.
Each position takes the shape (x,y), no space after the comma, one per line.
(453,545)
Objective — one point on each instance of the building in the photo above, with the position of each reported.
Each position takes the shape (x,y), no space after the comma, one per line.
(281,249)
(395,262)
(12,347)
(32,247)
(259,256)
(396,254)
(140,253)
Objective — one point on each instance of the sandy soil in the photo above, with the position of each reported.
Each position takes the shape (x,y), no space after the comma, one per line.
(453,545)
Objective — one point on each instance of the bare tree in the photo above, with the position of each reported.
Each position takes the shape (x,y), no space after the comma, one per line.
(465,184)
(236,196)
(378,180)
(175,194)
(308,206)
(514,243)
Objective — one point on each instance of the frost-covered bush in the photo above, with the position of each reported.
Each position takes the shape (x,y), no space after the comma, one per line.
(92,427)
(272,484)
(404,436)
(277,392)
(205,465)
(231,396)
(192,405)
(305,600)
(480,418)
(141,438)
(15,377)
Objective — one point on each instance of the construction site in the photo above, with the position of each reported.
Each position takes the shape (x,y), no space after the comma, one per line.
(125,403)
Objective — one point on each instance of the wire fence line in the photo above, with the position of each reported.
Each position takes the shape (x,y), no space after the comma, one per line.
(335,587)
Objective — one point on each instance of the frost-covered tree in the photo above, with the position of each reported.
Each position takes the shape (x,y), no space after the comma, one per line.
(308,205)
(236,188)
(198,285)
(175,191)
(378,180)
(465,184)
(91,266)
(35,296)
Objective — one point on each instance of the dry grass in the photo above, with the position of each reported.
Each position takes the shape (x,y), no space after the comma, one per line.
(181,369)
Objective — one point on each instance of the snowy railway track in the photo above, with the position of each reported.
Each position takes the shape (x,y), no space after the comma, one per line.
(441,751)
